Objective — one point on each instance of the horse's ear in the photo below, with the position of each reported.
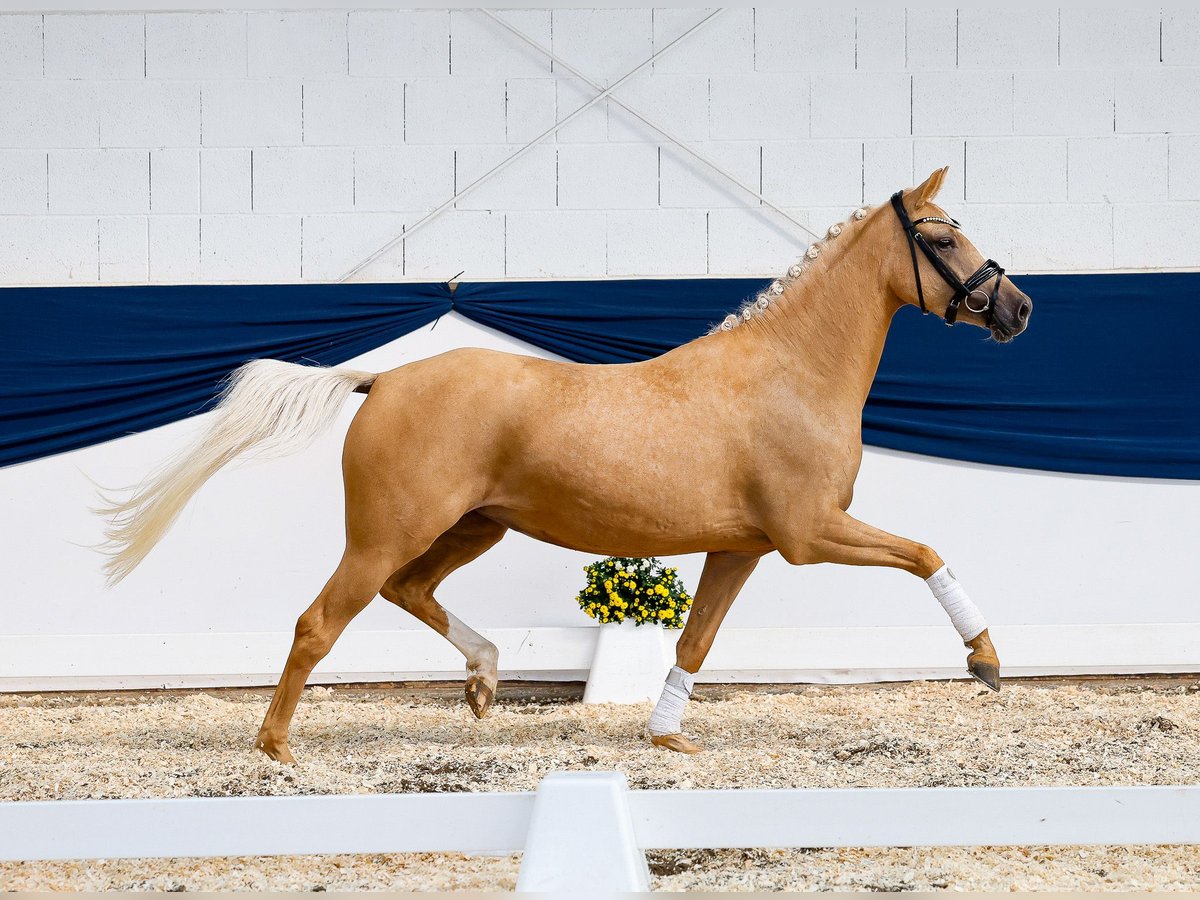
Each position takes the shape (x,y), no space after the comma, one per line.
(927,190)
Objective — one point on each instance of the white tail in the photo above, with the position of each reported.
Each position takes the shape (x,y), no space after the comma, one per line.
(268,406)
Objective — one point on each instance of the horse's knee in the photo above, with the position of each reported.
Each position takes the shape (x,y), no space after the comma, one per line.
(925,561)
(313,638)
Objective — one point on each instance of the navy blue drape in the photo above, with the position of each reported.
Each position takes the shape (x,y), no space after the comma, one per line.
(1103,382)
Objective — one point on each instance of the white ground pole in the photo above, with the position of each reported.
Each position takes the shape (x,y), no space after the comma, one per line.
(586,831)
(679,142)
(434,213)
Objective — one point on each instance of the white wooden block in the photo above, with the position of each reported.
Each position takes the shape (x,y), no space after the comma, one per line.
(804,38)
(1063,102)
(861,104)
(1138,230)
(813,173)
(20,47)
(530,109)
(529,183)
(250,249)
(589,126)
(457,241)
(933,153)
(481,46)
(1180,25)
(962,103)
(931,38)
(174,255)
(399,43)
(333,244)
(662,242)
(196,45)
(608,176)
(455,110)
(629,665)
(582,839)
(124,249)
(149,113)
(104,182)
(262,113)
(1016,170)
(677,102)
(48,250)
(1109,37)
(303,179)
(1121,167)
(48,114)
(880,39)
(997,37)
(225,176)
(354,112)
(297,44)
(402,178)
(95,46)
(887,168)
(688,182)
(175,181)
(22,182)
(1184,166)
(1158,100)
(758,107)
(562,244)
(604,43)
(724,45)
(752,242)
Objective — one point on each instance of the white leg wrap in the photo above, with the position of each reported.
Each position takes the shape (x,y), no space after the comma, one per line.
(964,615)
(667,717)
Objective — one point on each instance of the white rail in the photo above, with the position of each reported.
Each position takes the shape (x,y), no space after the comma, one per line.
(587,830)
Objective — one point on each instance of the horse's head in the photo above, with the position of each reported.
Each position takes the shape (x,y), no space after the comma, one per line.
(935,267)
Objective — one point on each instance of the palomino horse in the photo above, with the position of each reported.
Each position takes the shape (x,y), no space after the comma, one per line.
(756,446)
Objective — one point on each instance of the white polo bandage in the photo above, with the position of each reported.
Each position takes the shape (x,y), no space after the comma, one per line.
(667,717)
(964,615)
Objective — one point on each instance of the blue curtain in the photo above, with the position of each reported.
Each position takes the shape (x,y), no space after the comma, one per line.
(1103,381)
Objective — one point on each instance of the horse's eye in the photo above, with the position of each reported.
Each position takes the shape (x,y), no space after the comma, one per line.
(945,243)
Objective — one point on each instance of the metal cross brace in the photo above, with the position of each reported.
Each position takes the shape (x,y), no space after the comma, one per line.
(434,213)
(679,142)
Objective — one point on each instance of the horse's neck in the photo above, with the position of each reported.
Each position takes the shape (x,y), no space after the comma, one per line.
(826,333)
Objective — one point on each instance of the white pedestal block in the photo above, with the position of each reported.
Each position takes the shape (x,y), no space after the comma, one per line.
(581,840)
(629,664)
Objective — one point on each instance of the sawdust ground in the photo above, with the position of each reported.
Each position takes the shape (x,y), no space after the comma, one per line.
(197,744)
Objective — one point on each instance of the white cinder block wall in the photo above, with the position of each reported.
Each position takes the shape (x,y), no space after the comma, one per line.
(286,146)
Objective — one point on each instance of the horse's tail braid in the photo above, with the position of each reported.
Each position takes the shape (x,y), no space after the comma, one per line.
(271,407)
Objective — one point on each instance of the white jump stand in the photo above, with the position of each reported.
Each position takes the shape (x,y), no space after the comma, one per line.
(629,664)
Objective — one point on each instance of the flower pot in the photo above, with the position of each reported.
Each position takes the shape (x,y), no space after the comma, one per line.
(629,664)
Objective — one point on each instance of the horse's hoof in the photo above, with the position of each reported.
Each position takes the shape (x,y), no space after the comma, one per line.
(987,673)
(680,743)
(479,696)
(982,663)
(276,751)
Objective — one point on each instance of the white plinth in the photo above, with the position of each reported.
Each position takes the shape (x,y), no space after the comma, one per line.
(629,664)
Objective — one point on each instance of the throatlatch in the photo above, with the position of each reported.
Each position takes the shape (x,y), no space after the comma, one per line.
(963,290)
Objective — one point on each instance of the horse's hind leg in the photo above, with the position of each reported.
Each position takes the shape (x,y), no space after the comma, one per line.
(345,595)
(411,588)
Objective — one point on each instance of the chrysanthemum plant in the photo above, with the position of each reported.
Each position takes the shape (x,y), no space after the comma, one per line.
(644,590)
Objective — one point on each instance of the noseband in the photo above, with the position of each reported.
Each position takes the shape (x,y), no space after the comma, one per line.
(963,290)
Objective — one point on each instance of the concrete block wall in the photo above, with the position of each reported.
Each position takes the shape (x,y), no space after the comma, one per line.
(287,146)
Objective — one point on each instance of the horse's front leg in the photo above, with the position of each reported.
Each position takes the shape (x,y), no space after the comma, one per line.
(722,578)
(844,539)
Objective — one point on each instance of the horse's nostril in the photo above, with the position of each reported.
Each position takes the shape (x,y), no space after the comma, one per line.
(1024,310)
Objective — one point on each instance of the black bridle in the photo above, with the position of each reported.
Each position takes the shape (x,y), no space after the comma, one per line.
(963,290)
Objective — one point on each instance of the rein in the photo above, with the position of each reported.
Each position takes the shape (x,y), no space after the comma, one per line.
(963,290)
